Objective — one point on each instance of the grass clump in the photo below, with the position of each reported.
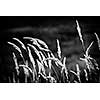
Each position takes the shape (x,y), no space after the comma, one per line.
(41,65)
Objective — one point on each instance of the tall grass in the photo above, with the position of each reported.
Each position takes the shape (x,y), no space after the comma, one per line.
(47,67)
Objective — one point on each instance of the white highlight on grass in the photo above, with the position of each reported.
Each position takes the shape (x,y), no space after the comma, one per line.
(43,59)
(58,49)
(42,42)
(78,72)
(87,57)
(26,67)
(80,35)
(23,46)
(49,64)
(35,50)
(16,63)
(86,74)
(33,63)
(18,49)
(64,67)
(15,46)
(41,67)
(98,40)
(87,50)
(37,42)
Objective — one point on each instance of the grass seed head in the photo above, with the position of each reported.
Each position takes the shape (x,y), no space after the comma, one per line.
(80,35)
(15,46)
(98,40)
(58,49)
(23,46)
(16,63)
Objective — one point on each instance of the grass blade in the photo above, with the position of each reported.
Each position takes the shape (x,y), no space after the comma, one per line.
(87,50)
(58,49)
(98,40)
(16,63)
(23,46)
(80,35)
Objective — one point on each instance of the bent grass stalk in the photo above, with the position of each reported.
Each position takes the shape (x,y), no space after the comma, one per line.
(26,67)
(98,40)
(23,46)
(18,49)
(42,43)
(36,42)
(43,59)
(37,52)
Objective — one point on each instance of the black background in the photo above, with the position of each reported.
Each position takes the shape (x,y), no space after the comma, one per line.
(7,22)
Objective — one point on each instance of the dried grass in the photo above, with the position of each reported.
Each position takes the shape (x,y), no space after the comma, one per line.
(47,60)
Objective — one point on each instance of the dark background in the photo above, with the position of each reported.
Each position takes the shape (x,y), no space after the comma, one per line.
(7,22)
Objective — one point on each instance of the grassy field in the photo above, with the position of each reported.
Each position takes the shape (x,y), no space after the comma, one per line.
(31,60)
